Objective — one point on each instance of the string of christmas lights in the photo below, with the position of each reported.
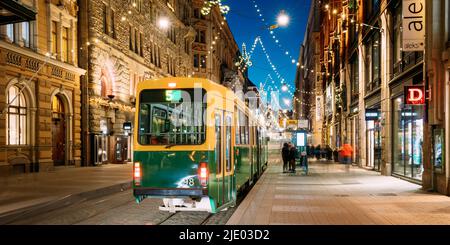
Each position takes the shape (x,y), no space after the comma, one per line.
(273,34)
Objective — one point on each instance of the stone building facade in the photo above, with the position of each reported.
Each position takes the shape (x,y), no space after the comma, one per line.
(125,42)
(364,75)
(40,117)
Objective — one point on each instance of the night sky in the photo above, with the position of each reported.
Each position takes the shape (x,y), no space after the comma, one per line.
(246,25)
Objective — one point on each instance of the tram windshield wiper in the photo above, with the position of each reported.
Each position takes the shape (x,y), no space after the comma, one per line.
(170,146)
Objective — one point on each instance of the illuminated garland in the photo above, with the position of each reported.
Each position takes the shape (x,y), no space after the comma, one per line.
(98,101)
(209,4)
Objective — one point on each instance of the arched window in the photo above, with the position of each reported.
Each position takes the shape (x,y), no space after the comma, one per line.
(16,121)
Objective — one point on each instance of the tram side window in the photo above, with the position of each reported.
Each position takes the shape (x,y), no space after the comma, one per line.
(228,142)
(243,128)
(237,131)
(218,152)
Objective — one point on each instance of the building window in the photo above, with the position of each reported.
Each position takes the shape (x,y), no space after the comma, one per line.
(113,24)
(141,45)
(196,61)
(136,41)
(54,37)
(152,52)
(109,23)
(187,48)
(65,44)
(201,37)
(10,32)
(137,4)
(354,76)
(26,34)
(130,35)
(16,122)
(105,19)
(159,57)
(373,63)
(203,61)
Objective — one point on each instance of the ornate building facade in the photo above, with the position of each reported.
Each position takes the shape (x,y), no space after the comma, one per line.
(125,42)
(40,117)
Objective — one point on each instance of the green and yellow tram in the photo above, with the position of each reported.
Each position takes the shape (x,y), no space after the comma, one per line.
(196,144)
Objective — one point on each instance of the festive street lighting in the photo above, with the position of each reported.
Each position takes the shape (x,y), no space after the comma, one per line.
(283,19)
(164,23)
(284,88)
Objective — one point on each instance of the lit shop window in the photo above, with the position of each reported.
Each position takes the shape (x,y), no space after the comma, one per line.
(16,125)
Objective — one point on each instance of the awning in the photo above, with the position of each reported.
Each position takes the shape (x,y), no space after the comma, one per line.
(12,12)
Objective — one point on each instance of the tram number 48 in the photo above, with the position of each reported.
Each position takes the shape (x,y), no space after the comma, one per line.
(189,181)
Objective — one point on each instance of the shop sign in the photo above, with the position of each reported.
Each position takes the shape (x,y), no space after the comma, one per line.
(303,124)
(415,95)
(127,126)
(319,106)
(372,114)
(413,25)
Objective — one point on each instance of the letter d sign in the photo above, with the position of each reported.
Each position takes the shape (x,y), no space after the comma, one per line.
(415,95)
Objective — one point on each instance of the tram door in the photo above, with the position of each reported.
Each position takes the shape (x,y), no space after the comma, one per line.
(219,158)
(228,180)
(224,154)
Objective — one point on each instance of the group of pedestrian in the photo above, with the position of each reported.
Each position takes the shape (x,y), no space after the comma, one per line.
(320,152)
(343,154)
(289,153)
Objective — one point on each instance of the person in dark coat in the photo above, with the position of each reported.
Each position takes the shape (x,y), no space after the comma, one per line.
(329,153)
(293,155)
(285,156)
(317,152)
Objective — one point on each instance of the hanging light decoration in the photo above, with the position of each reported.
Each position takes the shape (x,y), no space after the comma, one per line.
(209,4)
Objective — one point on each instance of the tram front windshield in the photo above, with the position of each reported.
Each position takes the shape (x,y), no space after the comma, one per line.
(172,117)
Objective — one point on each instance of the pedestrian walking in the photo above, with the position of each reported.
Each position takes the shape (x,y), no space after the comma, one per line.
(346,153)
(285,156)
(317,152)
(293,155)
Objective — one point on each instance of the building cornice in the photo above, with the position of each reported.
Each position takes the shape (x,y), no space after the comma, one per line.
(23,51)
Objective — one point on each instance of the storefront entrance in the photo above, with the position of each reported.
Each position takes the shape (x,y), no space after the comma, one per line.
(58,132)
(373,145)
(408,125)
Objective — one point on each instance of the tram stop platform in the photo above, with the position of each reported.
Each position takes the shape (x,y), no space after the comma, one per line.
(337,194)
(27,194)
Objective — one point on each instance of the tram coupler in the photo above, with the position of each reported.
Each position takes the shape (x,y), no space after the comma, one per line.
(182,204)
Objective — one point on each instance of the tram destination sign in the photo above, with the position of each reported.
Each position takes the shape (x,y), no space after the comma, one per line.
(415,95)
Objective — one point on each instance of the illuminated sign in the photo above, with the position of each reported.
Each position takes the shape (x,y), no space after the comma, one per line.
(173,95)
(372,114)
(301,139)
(127,126)
(415,95)
(413,25)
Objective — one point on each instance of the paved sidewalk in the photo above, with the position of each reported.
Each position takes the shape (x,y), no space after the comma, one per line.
(29,194)
(338,194)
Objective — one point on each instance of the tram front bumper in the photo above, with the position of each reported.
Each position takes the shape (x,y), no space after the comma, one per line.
(160,192)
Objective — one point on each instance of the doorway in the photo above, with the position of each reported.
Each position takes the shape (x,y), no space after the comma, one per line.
(58,132)
(373,145)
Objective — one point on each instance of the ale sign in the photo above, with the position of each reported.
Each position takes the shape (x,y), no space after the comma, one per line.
(413,25)
(415,95)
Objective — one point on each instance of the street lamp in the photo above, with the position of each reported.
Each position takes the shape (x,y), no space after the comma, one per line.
(283,19)
(164,23)
(284,88)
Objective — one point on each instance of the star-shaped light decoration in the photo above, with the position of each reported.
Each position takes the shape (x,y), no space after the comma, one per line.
(244,59)
(209,4)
